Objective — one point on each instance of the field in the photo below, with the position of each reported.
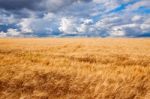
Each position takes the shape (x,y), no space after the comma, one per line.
(74,68)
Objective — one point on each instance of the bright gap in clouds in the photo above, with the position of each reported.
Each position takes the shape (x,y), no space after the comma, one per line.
(87,18)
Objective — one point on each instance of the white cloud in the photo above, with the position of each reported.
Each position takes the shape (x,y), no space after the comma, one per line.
(117,33)
(13,32)
(3,34)
(124,25)
(142,3)
(88,21)
(25,25)
(136,18)
(10,33)
(7,19)
(86,26)
(145,27)
(68,25)
(76,17)
(49,16)
(38,26)
(123,30)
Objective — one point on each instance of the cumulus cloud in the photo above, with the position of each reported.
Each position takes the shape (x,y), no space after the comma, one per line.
(123,18)
(68,25)
(25,25)
(125,25)
(76,26)
(10,33)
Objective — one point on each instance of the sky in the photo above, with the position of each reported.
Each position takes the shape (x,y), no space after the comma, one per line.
(79,18)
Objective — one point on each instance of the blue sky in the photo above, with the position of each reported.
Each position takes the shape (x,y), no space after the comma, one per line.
(62,18)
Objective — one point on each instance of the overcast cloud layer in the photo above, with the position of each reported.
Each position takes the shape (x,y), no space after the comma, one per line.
(87,18)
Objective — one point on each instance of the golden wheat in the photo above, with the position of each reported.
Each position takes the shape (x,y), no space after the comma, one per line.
(79,68)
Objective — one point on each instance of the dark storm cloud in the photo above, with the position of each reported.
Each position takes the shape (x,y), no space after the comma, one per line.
(50,5)
(25,8)
(19,4)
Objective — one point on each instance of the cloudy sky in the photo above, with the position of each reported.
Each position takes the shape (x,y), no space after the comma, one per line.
(88,18)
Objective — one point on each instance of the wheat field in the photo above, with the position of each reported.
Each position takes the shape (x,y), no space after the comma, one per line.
(74,68)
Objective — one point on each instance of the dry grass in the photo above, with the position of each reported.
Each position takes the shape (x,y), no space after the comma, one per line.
(75,68)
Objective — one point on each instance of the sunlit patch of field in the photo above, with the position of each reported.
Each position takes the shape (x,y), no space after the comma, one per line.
(74,68)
